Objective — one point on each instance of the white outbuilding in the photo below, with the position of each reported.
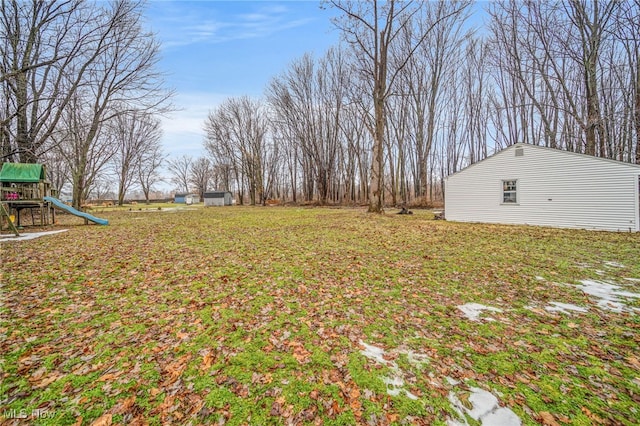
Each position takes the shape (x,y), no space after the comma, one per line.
(533,185)
(218,198)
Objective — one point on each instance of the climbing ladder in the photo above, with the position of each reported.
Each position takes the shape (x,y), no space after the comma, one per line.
(5,213)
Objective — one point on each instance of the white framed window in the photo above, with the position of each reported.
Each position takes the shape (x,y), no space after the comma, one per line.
(510,191)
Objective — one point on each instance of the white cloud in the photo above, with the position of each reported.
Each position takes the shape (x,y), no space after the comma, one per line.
(183,130)
(211,25)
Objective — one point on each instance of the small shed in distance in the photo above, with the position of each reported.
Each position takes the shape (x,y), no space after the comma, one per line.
(186,198)
(218,198)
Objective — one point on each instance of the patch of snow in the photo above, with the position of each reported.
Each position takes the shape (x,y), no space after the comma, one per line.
(610,296)
(485,408)
(614,264)
(411,395)
(30,236)
(452,381)
(539,278)
(482,403)
(474,310)
(395,383)
(565,308)
(395,386)
(417,359)
(373,352)
(501,417)
(633,280)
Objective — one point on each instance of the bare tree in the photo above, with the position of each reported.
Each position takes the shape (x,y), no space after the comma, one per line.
(372,28)
(307,99)
(222,177)
(222,150)
(201,174)
(68,68)
(356,152)
(41,39)
(528,98)
(417,97)
(590,21)
(475,91)
(101,188)
(86,150)
(135,134)
(180,169)
(627,32)
(552,54)
(422,82)
(52,51)
(236,134)
(123,78)
(284,137)
(148,168)
(57,169)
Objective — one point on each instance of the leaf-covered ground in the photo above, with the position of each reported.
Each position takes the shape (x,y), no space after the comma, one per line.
(271,315)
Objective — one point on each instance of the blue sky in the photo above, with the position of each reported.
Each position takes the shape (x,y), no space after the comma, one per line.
(212,50)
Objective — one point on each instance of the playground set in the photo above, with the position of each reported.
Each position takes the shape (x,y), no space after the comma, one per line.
(25,187)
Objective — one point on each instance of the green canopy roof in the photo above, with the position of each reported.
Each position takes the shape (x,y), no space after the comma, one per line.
(20,172)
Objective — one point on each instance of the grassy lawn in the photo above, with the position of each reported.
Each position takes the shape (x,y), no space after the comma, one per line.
(128,207)
(257,316)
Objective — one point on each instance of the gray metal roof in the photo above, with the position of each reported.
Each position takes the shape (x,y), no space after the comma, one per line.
(216,194)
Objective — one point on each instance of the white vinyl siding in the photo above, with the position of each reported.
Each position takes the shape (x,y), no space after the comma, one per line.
(554,188)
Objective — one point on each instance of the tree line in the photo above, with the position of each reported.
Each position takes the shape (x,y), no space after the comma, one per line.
(81,92)
(414,92)
(417,91)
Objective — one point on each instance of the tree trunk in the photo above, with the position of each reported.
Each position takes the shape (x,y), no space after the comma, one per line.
(122,185)
(376,186)
(593,111)
(637,117)
(23,141)
(78,188)
(375,181)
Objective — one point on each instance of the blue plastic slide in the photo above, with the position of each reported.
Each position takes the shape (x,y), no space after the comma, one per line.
(62,206)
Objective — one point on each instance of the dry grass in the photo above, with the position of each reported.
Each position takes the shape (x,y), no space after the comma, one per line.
(257,316)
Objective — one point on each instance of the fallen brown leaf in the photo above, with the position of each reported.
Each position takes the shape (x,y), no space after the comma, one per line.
(547,419)
(103,420)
